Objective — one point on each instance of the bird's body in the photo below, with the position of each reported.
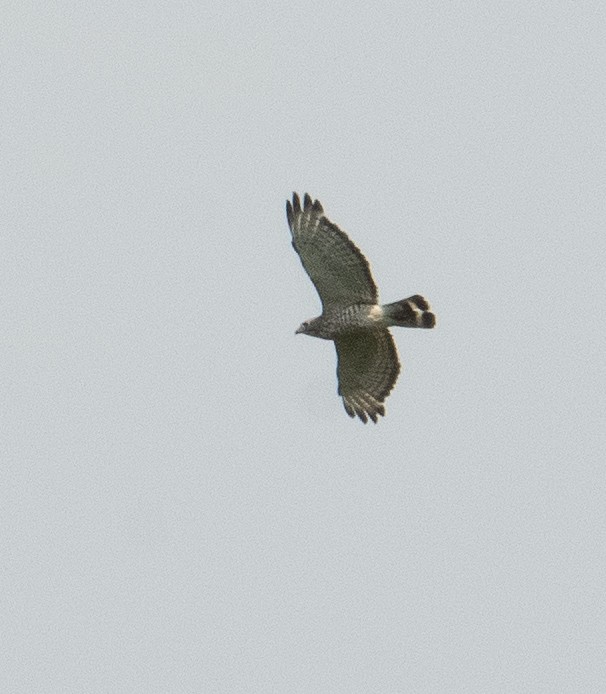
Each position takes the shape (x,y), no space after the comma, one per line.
(337,321)
(352,317)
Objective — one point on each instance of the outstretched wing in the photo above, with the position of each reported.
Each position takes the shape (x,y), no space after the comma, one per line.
(367,370)
(337,268)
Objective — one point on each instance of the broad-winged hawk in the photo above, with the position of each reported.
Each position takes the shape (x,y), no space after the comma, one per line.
(367,360)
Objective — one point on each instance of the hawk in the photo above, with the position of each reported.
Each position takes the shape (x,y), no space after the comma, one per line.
(367,359)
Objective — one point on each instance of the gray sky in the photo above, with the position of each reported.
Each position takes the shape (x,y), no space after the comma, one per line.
(184,504)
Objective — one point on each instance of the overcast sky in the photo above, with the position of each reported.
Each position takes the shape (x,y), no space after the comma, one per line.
(184,504)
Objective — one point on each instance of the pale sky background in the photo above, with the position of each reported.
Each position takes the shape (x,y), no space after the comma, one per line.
(184,504)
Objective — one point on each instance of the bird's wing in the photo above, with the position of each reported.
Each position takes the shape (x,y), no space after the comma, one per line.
(337,268)
(367,370)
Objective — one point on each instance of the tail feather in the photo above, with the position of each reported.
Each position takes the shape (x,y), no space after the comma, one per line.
(413,312)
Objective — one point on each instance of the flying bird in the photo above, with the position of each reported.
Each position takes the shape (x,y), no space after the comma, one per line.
(367,359)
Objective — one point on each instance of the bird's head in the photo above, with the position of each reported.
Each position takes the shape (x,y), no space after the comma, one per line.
(309,327)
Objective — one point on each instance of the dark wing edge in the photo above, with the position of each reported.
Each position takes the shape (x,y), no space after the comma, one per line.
(307,219)
(367,370)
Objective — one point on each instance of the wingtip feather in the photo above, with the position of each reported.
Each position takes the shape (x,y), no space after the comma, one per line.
(289,214)
(309,205)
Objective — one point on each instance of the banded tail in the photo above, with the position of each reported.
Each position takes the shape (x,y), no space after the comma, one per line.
(413,312)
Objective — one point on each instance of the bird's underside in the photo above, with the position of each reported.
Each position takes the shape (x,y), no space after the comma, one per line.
(367,359)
